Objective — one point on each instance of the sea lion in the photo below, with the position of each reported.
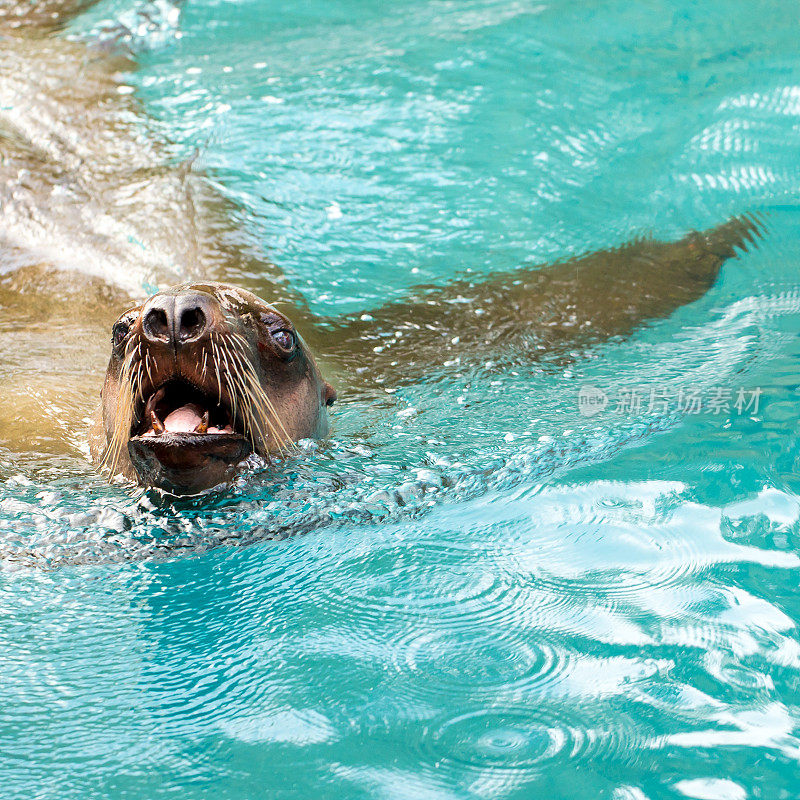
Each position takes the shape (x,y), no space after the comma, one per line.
(200,376)
(94,215)
(203,375)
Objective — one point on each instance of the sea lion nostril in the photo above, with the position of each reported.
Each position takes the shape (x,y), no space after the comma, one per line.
(156,325)
(192,323)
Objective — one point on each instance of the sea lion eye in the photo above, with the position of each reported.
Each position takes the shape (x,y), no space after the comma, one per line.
(285,339)
(119,333)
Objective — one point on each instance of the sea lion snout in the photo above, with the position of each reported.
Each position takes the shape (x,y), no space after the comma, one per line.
(200,377)
(179,318)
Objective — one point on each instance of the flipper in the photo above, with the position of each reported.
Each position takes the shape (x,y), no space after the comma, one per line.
(544,310)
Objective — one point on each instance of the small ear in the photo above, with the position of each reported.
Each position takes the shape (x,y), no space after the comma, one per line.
(328,394)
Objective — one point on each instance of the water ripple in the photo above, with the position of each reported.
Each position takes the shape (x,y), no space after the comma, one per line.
(496,742)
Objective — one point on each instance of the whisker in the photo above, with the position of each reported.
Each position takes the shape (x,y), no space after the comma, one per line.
(238,388)
(223,353)
(129,383)
(217,370)
(266,411)
(147,367)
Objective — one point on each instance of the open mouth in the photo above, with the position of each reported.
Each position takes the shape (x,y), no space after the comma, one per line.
(184,439)
(178,407)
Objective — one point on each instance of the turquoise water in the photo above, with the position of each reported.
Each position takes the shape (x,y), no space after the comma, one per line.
(493,596)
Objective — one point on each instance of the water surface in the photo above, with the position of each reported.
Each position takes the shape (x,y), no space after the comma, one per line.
(493,596)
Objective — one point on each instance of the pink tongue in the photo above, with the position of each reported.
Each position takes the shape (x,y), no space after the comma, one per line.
(184,419)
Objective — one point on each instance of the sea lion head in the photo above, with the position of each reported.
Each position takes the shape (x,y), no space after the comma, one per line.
(200,377)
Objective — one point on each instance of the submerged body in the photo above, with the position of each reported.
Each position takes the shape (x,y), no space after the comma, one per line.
(94,227)
(202,375)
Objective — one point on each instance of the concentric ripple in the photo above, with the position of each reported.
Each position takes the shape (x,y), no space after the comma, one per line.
(445,664)
(501,741)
